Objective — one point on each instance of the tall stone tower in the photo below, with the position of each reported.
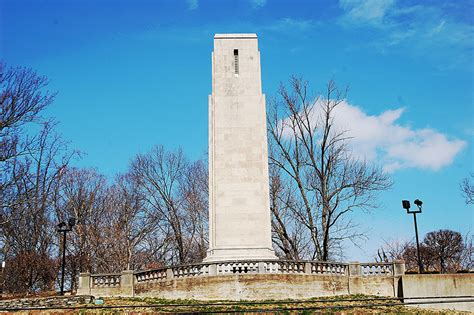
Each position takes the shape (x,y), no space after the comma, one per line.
(239,210)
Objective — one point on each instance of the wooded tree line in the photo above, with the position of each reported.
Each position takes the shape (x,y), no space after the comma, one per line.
(156,213)
(441,251)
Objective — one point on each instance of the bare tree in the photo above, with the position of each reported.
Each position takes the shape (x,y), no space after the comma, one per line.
(133,222)
(30,169)
(446,248)
(406,251)
(81,194)
(159,173)
(467,189)
(176,192)
(315,156)
(195,192)
(392,250)
(467,256)
(154,214)
(113,224)
(441,251)
(27,229)
(288,232)
(22,98)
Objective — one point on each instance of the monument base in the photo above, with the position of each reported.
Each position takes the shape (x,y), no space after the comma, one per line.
(239,254)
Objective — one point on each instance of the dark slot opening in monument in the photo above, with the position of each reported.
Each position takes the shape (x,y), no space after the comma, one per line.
(236,61)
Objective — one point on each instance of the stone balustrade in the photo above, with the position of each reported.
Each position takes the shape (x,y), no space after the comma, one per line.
(378,269)
(151,275)
(242,267)
(325,268)
(285,267)
(123,283)
(109,280)
(190,271)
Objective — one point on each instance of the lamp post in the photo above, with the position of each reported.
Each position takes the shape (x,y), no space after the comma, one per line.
(406,206)
(64,228)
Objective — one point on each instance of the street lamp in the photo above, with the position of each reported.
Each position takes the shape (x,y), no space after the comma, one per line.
(406,206)
(64,228)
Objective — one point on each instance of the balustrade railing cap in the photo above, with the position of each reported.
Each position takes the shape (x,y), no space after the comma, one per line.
(106,275)
(378,264)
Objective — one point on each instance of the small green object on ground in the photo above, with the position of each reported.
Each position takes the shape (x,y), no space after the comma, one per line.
(99,301)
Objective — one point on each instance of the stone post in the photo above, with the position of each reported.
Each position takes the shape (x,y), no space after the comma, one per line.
(354,285)
(261,267)
(398,271)
(354,269)
(127,282)
(398,268)
(307,268)
(169,273)
(84,287)
(213,270)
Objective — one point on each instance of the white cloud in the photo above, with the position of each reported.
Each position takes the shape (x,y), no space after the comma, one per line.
(380,138)
(421,28)
(256,4)
(192,4)
(290,25)
(369,11)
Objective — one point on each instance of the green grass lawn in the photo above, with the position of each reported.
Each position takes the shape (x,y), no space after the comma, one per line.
(338,305)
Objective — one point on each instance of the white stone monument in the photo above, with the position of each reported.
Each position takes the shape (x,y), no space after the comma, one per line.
(239,207)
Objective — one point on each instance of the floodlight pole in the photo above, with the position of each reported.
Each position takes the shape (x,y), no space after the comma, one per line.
(420,265)
(406,206)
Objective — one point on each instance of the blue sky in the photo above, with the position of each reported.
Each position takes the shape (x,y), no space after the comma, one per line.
(131,74)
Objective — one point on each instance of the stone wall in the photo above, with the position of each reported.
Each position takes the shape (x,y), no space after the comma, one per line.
(47,302)
(246,287)
(264,287)
(443,285)
(249,280)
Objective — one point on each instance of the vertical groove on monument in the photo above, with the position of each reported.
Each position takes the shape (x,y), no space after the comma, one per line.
(239,207)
